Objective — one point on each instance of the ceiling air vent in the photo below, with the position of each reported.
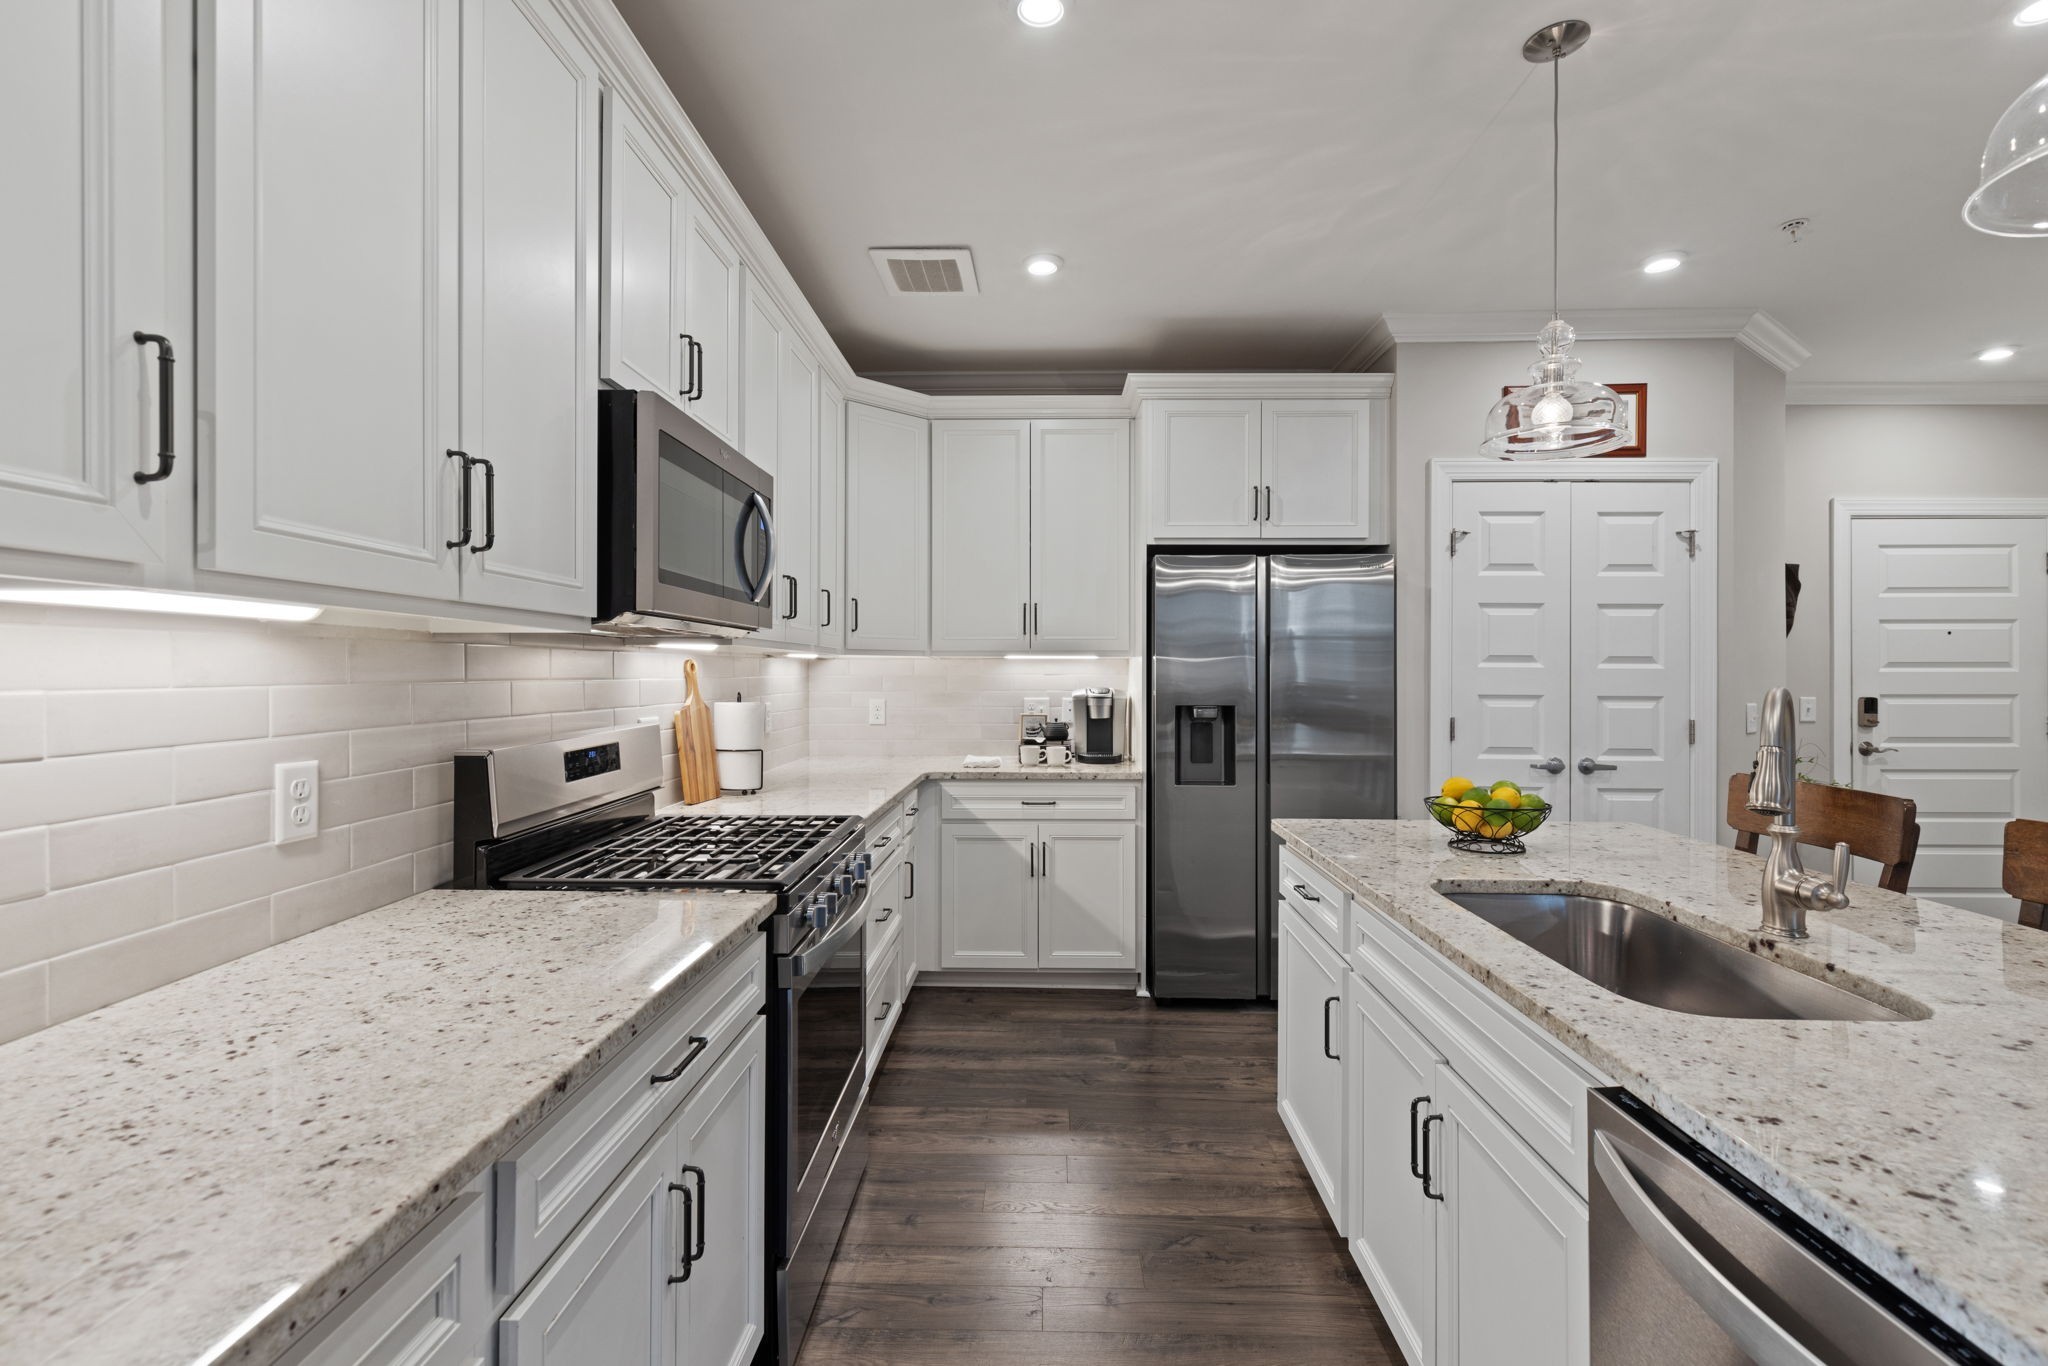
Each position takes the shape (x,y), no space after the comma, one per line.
(925,270)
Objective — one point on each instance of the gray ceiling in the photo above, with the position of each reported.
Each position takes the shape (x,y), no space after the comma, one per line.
(1251,184)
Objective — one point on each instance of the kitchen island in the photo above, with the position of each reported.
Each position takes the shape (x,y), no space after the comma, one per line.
(1915,1143)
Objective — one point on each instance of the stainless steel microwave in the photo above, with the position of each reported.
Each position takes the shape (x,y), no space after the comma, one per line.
(686,525)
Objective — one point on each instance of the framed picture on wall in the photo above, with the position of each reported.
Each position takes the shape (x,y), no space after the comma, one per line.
(1635,416)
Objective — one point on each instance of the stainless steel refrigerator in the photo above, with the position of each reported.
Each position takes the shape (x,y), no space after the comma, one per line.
(1272,695)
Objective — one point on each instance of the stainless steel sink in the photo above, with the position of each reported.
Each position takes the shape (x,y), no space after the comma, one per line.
(1647,957)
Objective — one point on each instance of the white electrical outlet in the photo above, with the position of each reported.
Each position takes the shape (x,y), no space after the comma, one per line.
(878,711)
(295,802)
(1041,705)
(1809,709)
(1751,717)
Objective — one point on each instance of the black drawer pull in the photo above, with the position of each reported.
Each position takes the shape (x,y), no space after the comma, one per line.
(698,1043)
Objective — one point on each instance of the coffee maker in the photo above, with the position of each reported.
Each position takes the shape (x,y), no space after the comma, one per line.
(1101,728)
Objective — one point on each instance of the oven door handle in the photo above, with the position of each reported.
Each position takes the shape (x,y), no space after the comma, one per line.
(799,968)
(1754,1331)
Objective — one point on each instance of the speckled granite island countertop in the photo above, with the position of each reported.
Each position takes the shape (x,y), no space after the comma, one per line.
(1919,1145)
(862,787)
(260,1136)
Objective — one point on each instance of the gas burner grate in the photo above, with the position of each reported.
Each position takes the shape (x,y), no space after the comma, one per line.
(693,851)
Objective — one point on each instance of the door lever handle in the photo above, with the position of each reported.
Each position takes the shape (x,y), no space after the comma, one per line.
(1591,766)
(1870,747)
(1550,765)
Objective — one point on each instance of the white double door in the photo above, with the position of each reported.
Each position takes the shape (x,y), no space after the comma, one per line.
(1948,651)
(1571,669)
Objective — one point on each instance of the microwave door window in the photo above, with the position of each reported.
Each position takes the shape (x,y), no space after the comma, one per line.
(698,512)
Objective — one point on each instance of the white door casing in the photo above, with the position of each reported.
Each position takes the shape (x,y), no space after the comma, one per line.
(1943,618)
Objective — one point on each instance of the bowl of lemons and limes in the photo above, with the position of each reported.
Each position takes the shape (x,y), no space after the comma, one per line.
(1490,817)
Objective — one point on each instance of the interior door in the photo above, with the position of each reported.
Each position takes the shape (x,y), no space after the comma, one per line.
(981,536)
(94,107)
(1511,636)
(1631,651)
(1081,536)
(1949,633)
(529,345)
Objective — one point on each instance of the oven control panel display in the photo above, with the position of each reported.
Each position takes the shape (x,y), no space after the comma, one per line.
(591,762)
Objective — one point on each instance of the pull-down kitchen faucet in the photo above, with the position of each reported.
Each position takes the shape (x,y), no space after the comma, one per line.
(1789,890)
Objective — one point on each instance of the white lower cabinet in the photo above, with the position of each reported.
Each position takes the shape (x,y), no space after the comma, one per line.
(1311,1067)
(721,1306)
(1047,894)
(988,916)
(1392,1221)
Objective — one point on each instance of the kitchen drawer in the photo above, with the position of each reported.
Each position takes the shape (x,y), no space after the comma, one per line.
(1047,800)
(1322,903)
(885,999)
(886,908)
(1522,1074)
(430,1303)
(552,1179)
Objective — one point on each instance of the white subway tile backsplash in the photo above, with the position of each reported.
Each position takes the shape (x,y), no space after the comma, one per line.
(388,747)
(38,656)
(108,846)
(222,770)
(344,801)
(21,726)
(387,837)
(432,784)
(433,867)
(309,709)
(460,701)
(576,722)
(97,722)
(24,864)
(50,790)
(372,660)
(507,661)
(611,692)
(297,910)
(207,884)
(24,1001)
(213,659)
(67,921)
(580,663)
(120,968)
(531,696)
(509,730)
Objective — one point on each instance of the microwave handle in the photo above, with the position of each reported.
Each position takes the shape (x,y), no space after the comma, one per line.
(755,591)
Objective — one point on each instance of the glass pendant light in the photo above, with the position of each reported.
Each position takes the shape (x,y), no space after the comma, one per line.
(2012,181)
(1556,415)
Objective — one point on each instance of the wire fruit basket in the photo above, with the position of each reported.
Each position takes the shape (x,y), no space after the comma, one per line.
(1487,829)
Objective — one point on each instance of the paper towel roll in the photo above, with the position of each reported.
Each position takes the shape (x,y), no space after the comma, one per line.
(739,731)
(739,770)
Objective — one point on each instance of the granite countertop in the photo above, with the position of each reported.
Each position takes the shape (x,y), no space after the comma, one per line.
(264,1134)
(1917,1144)
(863,787)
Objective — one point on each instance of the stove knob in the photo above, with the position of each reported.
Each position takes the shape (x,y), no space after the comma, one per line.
(860,871)
(824,906)
(845,883)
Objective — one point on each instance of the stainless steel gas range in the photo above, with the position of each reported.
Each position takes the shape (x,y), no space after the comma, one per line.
(578,815)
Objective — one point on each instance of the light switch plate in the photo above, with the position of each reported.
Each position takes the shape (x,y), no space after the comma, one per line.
(878,711)
(1752,720)
(1809,709)
(295,802)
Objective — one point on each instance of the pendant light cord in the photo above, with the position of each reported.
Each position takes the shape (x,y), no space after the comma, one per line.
(1556,85)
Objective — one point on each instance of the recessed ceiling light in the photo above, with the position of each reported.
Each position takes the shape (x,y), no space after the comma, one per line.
(1663,261)
(1046,13)
(147,600)
(1043,264)
(700,647)
(1998,353)
(2036,13)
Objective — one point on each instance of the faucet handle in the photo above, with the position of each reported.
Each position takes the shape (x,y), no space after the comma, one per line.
(1839,873)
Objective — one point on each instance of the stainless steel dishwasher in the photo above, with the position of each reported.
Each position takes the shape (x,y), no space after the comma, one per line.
(1692,1265)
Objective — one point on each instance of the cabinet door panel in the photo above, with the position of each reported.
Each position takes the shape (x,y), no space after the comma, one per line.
(798,606)
(723,1132)
(1511,1258)
(990,907)
(645,206)
(1081,567)
(1392,1224)
(1311,1070)
(529,355)
(90,110)
(1087,895)
(330,154)
(888,532)
(711,315)
(1202,461)
(1318,466)
(761,330)
(981,535)
(831,591)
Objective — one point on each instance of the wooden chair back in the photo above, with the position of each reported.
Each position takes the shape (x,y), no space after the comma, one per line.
(2026,869)
(1874,826)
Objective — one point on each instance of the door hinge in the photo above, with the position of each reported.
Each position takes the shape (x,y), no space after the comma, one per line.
(1454,727)
(1692,732)
(1692,544)
(1457,536)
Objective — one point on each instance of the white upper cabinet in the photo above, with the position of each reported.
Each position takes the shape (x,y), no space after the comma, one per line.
(831,591)
(529,277)
(646,213)
(1082,569)
(888,531)
(798,605)
(425,215)
(1295,469)
(711,321)
(761,331)
(981,536)
(330,395)
(95,124)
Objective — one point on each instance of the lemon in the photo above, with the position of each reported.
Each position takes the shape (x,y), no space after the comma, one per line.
(1504,783)
(1468,816)
(1505,796)
(1454,788)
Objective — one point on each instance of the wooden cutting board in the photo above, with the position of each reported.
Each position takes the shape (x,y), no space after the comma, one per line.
(694,748)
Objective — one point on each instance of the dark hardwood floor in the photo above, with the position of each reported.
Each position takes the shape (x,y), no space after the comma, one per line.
(1072,1178)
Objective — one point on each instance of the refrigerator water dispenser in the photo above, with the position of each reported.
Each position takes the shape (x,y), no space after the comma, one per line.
(1205,746)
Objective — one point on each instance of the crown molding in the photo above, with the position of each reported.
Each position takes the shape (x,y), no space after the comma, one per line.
(1758,331)
(1863,392)
(986,382)
(1369,352)
(1257,384)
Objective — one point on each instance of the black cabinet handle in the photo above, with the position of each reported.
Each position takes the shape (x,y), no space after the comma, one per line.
(1426,1172)
(467,465)
(490,506)
(1303,892)
(910,874)
(853,606)
(883,918)
(790,615)
(703,1210)
(166,409)
(1024,626)
(698,347)
(1414,1158)
(689,389)
(689,1258)
(1034,618)
(698,1043)
(1269,503)
(828,607)
(1327,1003)
(887,1006)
